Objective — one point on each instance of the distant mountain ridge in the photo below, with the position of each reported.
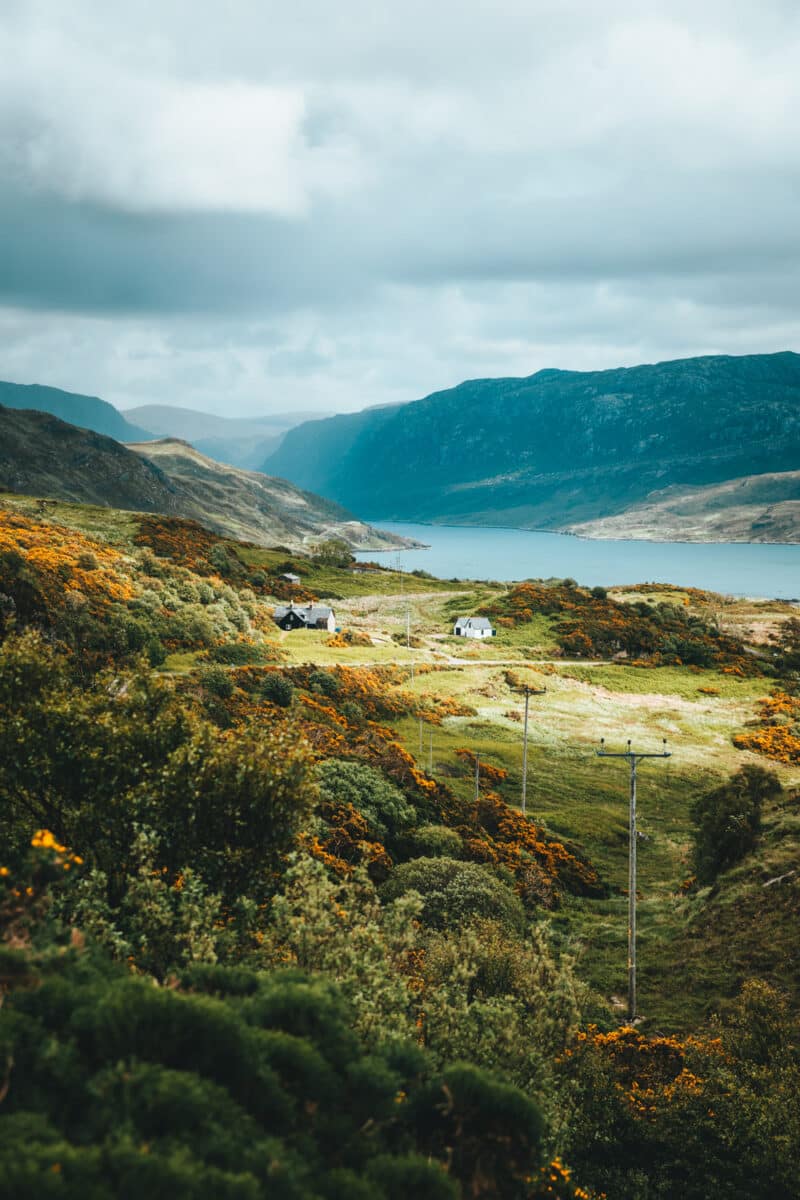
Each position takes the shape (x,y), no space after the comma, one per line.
(240,441)
(87,412)
(41,455)
(557,448)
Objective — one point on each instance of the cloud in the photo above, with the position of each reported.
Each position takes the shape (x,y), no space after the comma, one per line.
(242,206)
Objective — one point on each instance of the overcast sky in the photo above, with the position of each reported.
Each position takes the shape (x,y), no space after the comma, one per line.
(254,206)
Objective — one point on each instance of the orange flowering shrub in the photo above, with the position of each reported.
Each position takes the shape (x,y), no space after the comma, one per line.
(186,542)
(649,1073)
(348,637)
(60,561)
(778,735)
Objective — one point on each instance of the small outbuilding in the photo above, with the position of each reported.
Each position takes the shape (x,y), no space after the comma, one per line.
(289,577)
(306,616)
(474,627)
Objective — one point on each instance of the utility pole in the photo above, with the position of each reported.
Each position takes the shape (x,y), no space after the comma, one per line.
(633,757)
(420,738)
(528,692)
(408,640)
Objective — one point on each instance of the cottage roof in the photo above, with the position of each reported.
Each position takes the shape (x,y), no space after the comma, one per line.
(473,623)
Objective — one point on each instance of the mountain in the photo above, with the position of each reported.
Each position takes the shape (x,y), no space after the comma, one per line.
(245,504)
(558,448)
(41,455)
(87,412)
(241,441)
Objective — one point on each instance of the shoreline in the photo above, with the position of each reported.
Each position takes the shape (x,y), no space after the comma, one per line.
(581,537)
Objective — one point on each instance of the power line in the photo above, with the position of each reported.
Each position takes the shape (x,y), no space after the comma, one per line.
(633,758)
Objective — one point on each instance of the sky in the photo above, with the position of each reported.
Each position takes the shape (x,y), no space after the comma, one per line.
(255,207)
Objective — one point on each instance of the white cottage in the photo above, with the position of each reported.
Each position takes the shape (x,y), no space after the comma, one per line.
(474,627)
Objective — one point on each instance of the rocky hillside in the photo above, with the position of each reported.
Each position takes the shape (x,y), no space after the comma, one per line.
(87,412)
(558,448)
(43,456)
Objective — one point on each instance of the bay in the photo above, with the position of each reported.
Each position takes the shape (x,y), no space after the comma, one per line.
(732,568)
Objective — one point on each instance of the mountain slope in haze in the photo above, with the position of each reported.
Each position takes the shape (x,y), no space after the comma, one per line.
(87,412)
(757,508)
(240,441)
(558,448)
(243,504)
(41,455)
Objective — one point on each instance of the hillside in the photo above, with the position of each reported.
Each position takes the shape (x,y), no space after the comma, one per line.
(87,412)
(241,441)
(558,448)
(757,508)
(254,507)
(309,943)
(41,455)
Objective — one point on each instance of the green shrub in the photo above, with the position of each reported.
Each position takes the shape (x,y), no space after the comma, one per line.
(323,682)
(343,781)
(238,654)
(277,689)
(217,682)
(456,892)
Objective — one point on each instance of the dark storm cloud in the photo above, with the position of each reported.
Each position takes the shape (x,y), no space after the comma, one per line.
(237,207)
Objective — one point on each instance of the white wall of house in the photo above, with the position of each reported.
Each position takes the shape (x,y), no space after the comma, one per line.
(472,633)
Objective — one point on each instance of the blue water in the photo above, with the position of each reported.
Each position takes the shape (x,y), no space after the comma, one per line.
(739,569)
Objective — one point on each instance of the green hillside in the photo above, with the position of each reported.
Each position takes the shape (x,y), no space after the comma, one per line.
(557,448)
(45,457)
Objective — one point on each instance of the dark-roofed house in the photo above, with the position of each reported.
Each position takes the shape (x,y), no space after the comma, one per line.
(474,627)
(305,616)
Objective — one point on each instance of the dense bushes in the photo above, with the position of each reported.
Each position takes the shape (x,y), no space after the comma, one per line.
(590,624)
(122,1089)
(728,820)
(379,801)
(97,764)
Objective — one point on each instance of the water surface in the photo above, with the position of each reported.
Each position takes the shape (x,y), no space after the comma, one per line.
(733,568)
